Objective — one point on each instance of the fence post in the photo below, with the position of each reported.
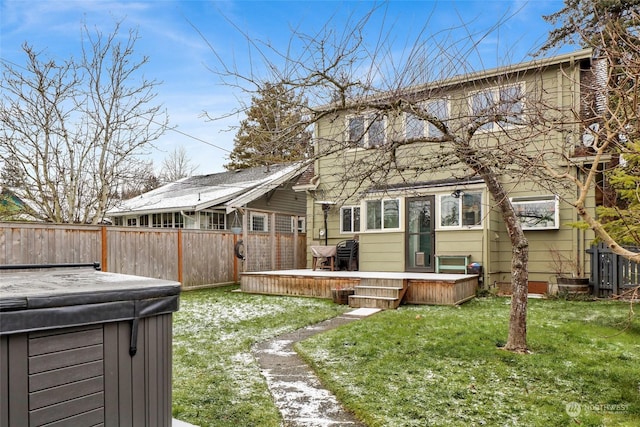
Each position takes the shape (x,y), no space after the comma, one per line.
(295,242)
(274,244)
(180,278)
(593,279)
(104,248)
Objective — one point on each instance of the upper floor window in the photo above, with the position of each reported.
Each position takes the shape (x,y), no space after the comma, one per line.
(505,102)
(463,209)
(367,131)
(417,127)
(350,219)
(383,214)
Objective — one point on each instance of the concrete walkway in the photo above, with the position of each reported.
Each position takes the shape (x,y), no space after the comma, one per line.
(297,392)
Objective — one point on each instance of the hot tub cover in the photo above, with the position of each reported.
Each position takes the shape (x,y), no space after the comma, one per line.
(36,300)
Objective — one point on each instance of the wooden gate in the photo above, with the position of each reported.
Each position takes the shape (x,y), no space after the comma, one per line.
(612,274)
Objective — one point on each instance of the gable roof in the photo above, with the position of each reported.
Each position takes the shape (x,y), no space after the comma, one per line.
(225,190)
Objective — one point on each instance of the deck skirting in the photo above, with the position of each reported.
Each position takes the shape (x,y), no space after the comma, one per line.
(423,288)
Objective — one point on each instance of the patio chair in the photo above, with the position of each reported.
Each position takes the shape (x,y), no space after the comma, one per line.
(347,255)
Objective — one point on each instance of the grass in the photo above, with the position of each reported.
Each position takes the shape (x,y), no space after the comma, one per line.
(442,366)
(419,365)
(216,380)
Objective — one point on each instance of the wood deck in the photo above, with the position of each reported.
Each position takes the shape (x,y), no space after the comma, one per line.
(371,289)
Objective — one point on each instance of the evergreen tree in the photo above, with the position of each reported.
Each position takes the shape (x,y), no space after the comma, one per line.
(274,130)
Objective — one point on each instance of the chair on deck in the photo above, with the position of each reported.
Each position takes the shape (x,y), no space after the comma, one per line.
(347,255)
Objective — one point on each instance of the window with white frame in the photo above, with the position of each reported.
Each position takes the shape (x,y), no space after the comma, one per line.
(416,127)
(144,220)
(132,222)
(298,222)
(537,212)
(350,219)
(461,209)
(212,220)
(383,214)
(367,131)
(178,220)
(504,101)
(259,221)
(156,220)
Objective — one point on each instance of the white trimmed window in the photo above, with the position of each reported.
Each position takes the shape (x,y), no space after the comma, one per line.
(383,214)
(350,219)
(212,220)
(156,220)
(416,127)
(505,101)
(367,131)
(463,210)
(300,223)
(259,221)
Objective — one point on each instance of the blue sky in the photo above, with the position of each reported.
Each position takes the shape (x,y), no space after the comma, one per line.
(181,59)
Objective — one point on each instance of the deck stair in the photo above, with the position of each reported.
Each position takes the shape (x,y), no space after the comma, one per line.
(378,293)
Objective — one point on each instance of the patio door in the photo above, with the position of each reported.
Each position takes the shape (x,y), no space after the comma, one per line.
(420,234)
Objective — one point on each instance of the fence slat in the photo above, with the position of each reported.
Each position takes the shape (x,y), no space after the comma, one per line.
(612,274)
(207,255)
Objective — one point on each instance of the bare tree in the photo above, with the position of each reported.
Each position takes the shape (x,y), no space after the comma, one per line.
(76,127)
(341,74)
(177,165)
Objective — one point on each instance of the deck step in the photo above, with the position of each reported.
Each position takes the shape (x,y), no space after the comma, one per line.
(378,291)
(383,283)
(367,301)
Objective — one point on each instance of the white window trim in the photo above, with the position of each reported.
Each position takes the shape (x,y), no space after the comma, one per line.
(300,223)
(364,213)
(207,212)
(426,124)
(518,202)
(495,90)
(259,215)
(460,226)
(353,230)
(364,143)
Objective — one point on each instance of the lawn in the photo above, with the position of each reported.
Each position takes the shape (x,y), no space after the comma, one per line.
(216,380)
(419,365)
(443,366)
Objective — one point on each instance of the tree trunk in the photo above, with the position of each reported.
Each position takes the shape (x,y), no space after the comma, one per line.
(517,338)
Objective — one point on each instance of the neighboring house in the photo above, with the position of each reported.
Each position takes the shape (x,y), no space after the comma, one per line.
(219,201)
(13,208)
(437,221)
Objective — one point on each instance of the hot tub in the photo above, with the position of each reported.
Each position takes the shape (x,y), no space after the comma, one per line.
(80,347)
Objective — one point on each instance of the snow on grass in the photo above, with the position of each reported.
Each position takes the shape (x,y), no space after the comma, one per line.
(217,380)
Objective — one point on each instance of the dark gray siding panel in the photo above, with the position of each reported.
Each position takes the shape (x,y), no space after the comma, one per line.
(4,381)
(85,376)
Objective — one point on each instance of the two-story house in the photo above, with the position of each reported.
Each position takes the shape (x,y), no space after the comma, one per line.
(429,212)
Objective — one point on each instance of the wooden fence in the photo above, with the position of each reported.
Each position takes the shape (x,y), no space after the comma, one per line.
(196,258)
(612,274)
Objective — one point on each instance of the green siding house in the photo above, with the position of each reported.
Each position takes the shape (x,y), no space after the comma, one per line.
(439,220)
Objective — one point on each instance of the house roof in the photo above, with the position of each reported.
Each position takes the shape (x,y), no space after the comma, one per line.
(468,78)
(225,190)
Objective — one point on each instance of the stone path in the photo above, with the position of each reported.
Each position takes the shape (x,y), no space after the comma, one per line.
(298,393)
